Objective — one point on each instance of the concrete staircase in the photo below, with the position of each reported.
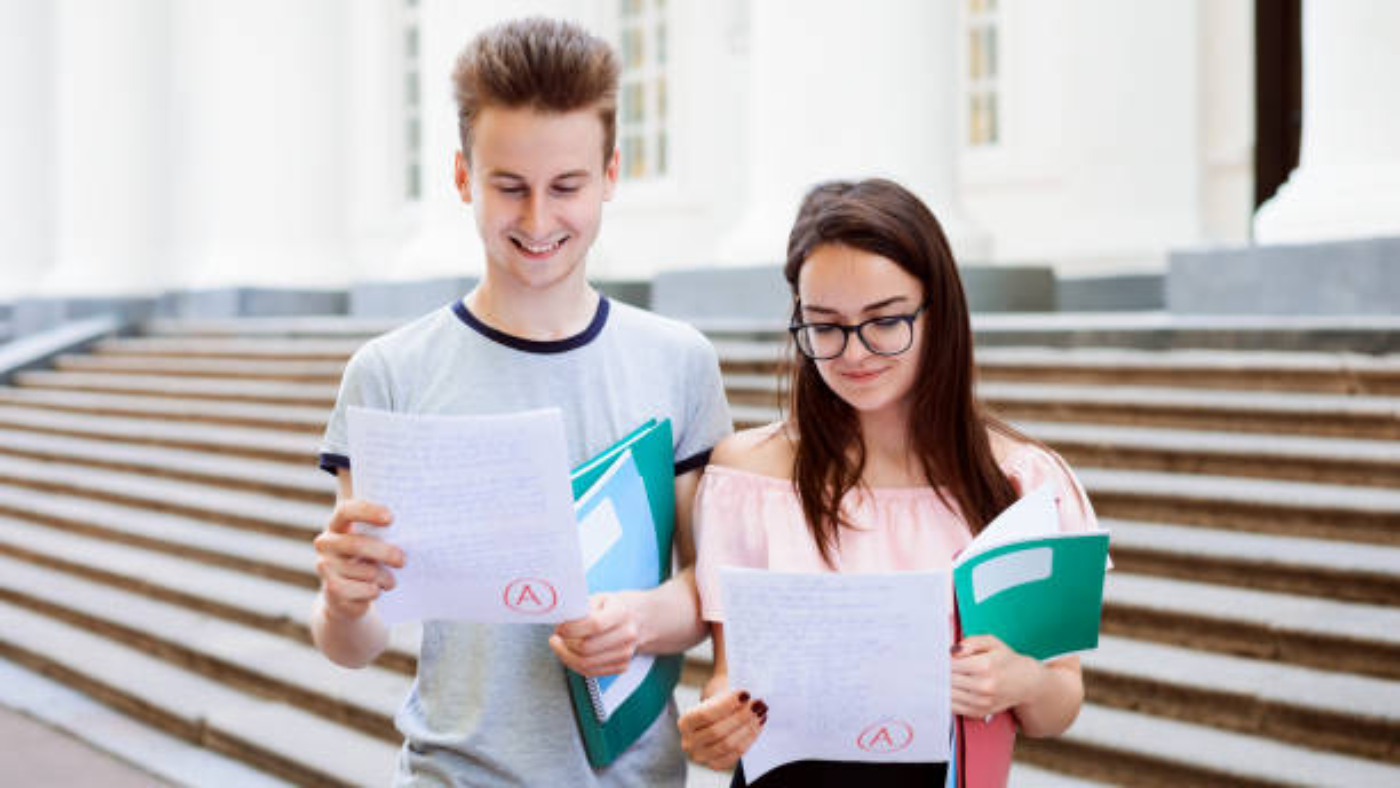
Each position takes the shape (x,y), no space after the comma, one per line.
(158,496)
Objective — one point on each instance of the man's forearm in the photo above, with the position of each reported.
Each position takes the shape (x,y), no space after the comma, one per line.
(669,615)
(351,643)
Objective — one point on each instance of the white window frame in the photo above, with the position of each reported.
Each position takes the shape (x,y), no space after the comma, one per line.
(654,128)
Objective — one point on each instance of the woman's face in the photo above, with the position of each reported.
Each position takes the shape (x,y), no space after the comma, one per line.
(844,285)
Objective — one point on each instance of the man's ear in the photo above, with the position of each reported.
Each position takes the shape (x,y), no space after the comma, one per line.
(610,172)
(461,175)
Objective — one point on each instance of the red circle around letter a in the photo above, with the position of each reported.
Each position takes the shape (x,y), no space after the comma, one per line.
(530,595)
(886,736)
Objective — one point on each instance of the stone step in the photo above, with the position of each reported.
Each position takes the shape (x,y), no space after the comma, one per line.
(755,400)
(216,440)
(195,539)
(1279,413)
(326,372)
(1359,514)
(319,327)
(237,657)
(273,736)
(1322,568)
(1123,747)
(257,349)
(64,712)
(1339,373)
(231,594)
(263,513)
(1342,637)
(169,409)
(1337,712)
(299,481)
(271,392)
(1346,461)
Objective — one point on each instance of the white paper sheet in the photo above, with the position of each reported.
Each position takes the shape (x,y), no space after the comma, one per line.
(1033,516)
(482,510)
(852,667)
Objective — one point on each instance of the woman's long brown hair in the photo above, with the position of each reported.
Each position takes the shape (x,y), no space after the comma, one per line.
(949,427)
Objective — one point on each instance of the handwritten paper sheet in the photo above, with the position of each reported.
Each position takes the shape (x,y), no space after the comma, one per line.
(852,667)
(482,510)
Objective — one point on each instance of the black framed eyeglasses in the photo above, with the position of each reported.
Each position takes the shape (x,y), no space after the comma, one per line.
(887,335)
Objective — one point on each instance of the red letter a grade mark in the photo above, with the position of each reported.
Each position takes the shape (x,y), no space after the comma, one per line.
(885,736)
(530,595)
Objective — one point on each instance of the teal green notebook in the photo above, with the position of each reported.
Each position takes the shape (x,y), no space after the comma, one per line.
(1040,593)
(636,481)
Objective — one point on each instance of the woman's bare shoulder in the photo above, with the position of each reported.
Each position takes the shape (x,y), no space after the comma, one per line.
(766,450)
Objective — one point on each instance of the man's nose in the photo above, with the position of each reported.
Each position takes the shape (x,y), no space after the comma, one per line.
(536,211)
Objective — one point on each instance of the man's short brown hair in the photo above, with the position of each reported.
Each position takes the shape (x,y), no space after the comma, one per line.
(545,64)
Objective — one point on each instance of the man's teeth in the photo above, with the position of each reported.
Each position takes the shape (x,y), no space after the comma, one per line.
(541,248)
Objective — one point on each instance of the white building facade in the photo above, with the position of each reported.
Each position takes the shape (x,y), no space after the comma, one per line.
(151,145)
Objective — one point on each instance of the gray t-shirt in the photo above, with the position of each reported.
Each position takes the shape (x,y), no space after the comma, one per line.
(489,705)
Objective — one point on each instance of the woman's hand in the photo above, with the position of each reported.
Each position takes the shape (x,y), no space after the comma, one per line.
(721,729)
(989,678)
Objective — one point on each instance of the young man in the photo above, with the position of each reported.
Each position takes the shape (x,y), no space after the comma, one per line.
(537,105)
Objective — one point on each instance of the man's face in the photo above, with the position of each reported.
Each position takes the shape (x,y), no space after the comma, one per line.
(537,183)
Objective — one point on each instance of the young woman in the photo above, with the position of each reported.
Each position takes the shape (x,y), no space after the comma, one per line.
(886,462)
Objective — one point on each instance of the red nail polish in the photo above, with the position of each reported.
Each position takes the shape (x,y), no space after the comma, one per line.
(760,708)
(743,697)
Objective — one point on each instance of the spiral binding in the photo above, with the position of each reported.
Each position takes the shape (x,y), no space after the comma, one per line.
(595,697)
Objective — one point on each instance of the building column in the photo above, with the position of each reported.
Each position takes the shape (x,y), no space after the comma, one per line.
(259,162)
(26,147)
(109,128)
(1347,183)
(848,93)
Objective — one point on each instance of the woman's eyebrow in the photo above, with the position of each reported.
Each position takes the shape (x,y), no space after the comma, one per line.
(881,304)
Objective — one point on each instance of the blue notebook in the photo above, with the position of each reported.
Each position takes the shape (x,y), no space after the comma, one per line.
(625,504)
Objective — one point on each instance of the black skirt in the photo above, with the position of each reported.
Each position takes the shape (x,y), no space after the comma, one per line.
(838,774)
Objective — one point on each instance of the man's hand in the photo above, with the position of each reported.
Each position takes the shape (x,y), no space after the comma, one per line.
(351,565)
(604,641)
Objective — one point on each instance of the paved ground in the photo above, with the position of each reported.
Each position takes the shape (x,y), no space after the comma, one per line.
(36,756)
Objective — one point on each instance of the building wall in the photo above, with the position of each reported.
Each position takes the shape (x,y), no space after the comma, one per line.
(256,142)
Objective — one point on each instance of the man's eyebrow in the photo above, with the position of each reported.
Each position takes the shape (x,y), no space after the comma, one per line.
(868,307)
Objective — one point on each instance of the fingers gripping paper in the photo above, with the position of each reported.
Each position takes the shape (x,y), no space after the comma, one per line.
(482,510)
(853,667)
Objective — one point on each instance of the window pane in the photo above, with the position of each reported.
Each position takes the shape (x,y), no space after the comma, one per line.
(989,51)
(661,43)
(410,89)
(410,42)
(413,187)
(631,48)
(633,111)
(661,99)
(662,152)
(974,54)
(991,113)
(974,120)
(631,8)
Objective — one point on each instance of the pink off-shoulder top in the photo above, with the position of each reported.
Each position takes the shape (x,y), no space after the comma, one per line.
(751,520)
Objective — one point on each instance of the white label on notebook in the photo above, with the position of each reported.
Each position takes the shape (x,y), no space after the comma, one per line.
(598,532)
(996,575)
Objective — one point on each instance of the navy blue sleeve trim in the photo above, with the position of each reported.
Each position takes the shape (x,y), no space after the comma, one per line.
(595,327)
(691,463)
(332,463)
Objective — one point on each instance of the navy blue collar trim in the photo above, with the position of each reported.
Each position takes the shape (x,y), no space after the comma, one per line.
(595,327)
